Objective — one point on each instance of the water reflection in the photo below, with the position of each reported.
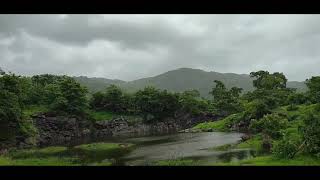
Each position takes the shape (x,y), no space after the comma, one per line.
(194,146)
(232,156)
(197,147)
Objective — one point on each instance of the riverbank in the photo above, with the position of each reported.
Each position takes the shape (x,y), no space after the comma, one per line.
(54,130)
(102,154)
(266,148)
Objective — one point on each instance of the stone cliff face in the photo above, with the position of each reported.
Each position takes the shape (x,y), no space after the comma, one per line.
(55,130)
(60,130)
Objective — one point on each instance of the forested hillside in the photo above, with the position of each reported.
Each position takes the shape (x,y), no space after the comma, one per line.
(180,80)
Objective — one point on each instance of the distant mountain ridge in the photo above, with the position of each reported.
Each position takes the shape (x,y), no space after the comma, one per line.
(180,80)
(97,84)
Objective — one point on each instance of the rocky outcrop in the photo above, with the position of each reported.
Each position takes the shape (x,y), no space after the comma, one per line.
(54,130)
(60,130)
(122,126)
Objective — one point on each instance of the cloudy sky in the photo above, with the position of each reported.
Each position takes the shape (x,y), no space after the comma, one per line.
(129,47)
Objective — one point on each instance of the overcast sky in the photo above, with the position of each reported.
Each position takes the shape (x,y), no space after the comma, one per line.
(129,47)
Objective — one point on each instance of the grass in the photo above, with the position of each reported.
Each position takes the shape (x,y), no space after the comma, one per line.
(31,110)
(296,114)
(253,143)
(269,160)
(51,156)
(220,125)
(177,162)
(225,147)
(26,126)
(40,153)
(95,147)
(106,115)
(86,154)
(96,152)
(48,161)
(102,115)
(5,161)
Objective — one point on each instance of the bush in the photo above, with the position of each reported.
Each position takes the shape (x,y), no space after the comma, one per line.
(270,124)
(226,101)
(292,107)
(313,85)
(190,102)
(113,99)
(27,128)
(155,104)
(311,131)
(297,98)
(287,147)
(67,96)
(256,110)
(220,125)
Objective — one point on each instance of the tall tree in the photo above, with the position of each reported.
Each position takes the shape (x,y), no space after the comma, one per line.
(265,80)
(225,101)
(313,85)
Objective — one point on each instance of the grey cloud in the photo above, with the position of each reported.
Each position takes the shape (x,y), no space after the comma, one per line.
(135,46)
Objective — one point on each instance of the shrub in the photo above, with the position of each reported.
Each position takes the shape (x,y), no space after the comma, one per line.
(270,124)
(311,131)
(297,98)
(66,96)
(287,147)
(292,107)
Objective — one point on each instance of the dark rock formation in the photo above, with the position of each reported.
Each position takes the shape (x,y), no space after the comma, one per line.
(61,130)
(54,130)
(122,127)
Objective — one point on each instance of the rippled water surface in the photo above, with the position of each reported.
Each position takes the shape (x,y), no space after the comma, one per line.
(195,146)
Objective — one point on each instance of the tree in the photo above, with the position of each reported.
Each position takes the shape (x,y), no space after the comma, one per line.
(70,98)
(226,101)
(1,72)
(311,131)
(113,99)
(270,124)
(45,79)
(11,102)
(297,98)
(265,80)
(270,88)
(10,109)
(155,104)
(287,147)
(11,83)
(190,102)
(97,100)
(313,85)
(64,95)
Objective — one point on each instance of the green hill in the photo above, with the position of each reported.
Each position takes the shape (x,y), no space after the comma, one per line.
(97,84)
(180,80)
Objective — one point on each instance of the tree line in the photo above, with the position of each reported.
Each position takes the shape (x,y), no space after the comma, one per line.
(252,112)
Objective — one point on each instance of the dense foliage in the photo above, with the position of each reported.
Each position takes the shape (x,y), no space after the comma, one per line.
(287,121)
(270,124)
(226,101)
(60,94)
(311,132)
(10,98)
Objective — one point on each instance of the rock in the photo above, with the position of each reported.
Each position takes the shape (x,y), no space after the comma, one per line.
(56,130)
(86,132)
(245,137)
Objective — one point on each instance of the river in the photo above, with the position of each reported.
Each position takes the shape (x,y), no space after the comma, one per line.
(198,147)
